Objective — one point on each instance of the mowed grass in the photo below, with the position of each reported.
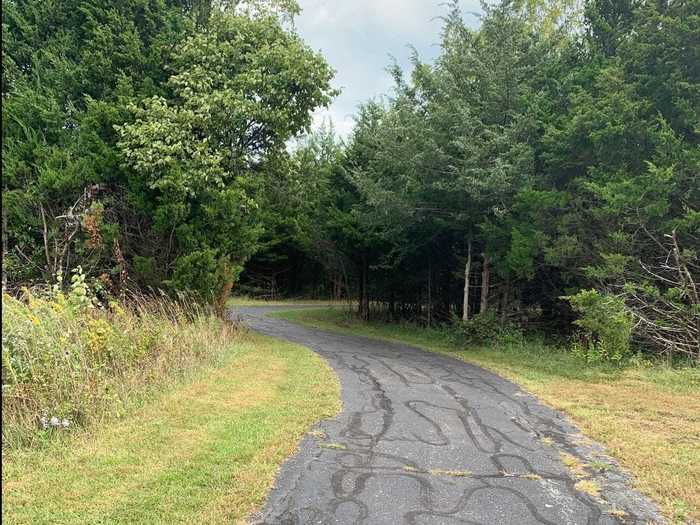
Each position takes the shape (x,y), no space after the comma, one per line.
(204,452)
(244,300)
(647,416)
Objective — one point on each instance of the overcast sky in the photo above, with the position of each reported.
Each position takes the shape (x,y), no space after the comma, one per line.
(357,38)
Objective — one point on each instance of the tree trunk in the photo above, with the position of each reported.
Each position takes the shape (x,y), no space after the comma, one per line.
(505,301)
(467,272)
(335,284)
(365,308)
(222,298)
(485,284)
(430,295)
(360,290)
(364,295)
(227,276)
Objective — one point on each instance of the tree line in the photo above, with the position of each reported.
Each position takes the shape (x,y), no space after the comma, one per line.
(543,171)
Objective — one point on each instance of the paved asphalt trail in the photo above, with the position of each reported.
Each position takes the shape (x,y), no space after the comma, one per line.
(425,439)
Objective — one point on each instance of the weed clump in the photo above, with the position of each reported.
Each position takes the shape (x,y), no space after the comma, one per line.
(69,360)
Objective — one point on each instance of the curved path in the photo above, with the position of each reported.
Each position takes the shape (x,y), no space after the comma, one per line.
(425,439)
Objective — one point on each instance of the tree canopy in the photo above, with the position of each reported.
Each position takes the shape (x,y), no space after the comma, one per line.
(140,136)
(549,152)
(544,169)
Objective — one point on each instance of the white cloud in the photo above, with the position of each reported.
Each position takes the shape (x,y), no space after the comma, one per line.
(342,122)
(357,37)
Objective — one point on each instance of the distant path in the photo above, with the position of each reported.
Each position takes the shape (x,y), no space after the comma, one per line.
(429,440)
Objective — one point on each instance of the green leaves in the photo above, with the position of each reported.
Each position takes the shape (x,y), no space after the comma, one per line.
(239,91)
(606,324)
(563,158)
(172,116)
(534,157)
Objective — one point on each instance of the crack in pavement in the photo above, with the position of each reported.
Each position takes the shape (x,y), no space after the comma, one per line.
(426,439)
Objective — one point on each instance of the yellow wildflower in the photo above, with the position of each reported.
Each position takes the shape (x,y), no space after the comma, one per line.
(97,335)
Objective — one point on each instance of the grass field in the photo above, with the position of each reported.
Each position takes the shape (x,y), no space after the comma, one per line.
(206,451)
(647,415)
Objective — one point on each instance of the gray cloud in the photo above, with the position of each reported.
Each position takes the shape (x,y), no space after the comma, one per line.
(358,37)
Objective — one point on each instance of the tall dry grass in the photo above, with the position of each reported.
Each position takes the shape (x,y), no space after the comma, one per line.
(68,362)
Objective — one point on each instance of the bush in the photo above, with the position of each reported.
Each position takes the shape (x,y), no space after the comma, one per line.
(68,362)
(144,270)
(606,326)
(197,272)
(486,328)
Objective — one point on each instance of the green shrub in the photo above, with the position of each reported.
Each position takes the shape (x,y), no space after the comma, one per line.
(486,327)
(196,272)
(606,326)
(144,271)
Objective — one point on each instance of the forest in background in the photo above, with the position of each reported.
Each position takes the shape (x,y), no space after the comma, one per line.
(543,172)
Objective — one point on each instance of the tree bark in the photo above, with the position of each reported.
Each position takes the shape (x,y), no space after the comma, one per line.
(364,296)
(430,295)
(361,290)
(222,298)
(485,284)
(366,288)
(505,300)
(335,285)
(227,277)
(467,272)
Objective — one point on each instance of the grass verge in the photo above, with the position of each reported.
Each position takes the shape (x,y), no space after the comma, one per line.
(647,416)
(202,452)
(244,300)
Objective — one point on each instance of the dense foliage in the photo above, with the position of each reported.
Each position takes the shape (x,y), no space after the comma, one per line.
(67,362)
(535,159)
(140,136)
(543,170)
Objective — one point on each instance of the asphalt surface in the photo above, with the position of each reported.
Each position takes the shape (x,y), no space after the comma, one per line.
(426,439)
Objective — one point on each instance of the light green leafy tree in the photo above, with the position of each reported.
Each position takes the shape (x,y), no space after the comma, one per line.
(238,92)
